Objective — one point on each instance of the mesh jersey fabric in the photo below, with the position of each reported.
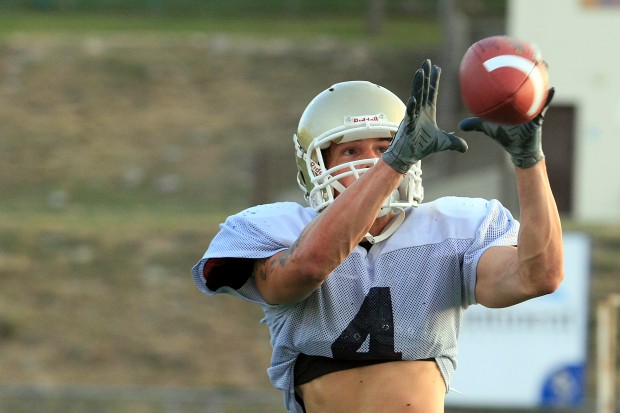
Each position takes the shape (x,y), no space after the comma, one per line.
(402,299)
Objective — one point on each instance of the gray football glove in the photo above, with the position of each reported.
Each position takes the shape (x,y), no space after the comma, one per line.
(418,135)
(523,142)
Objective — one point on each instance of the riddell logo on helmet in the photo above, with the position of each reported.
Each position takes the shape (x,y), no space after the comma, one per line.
(316,168)
(364,118)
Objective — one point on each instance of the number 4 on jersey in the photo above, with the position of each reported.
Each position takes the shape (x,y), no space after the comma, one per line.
(374,321)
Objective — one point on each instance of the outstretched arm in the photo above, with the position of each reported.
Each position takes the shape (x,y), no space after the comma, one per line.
(509,275)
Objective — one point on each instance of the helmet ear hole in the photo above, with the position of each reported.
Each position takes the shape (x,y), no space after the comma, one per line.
(301,180)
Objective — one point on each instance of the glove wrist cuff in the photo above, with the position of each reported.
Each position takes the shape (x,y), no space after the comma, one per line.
(395,163)
(527,161)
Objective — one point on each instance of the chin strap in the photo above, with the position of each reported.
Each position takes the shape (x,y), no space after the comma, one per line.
(390,229)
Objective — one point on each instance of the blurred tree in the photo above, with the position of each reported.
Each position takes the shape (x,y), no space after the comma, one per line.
(375,16)
(43,4)
(455,40)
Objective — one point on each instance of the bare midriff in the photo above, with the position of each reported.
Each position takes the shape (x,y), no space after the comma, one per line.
(414,386)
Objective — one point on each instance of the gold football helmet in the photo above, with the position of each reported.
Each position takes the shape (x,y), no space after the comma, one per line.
(346,112)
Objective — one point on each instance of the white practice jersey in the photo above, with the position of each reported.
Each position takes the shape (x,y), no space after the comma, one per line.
(402,299)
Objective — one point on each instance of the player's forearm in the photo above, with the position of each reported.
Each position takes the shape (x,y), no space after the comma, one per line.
(327,241)
(331,237)
(540,237)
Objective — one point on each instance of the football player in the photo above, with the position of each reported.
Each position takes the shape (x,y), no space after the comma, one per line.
(364,289)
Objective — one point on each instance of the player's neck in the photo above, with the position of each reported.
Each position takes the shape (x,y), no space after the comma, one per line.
(380,223)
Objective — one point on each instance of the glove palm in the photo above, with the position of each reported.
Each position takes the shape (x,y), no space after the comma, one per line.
(523,142)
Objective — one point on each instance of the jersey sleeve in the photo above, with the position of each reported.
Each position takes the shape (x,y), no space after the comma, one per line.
(497,228)
(255,233)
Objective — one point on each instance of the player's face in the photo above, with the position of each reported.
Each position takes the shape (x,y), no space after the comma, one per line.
(338,154)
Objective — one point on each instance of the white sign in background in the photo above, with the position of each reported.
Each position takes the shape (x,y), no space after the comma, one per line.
(532,354)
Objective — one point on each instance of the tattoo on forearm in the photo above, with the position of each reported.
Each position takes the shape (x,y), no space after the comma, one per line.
(260,268)
(282,259)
